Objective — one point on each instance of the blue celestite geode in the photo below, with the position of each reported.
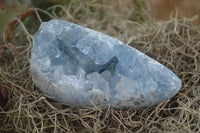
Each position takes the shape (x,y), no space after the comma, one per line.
(84,67)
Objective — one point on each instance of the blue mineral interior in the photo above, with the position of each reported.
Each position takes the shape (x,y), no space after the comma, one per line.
(78,58)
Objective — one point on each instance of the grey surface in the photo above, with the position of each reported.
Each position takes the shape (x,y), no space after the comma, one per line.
(84,67)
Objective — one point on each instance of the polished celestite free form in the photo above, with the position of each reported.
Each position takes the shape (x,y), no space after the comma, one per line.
(77,65)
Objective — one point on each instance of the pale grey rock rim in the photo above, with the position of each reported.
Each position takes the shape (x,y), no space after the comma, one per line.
(137,80)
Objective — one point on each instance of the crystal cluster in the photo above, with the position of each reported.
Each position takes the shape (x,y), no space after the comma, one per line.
(83,67)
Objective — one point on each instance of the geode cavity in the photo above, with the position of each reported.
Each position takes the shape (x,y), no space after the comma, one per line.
(84,67)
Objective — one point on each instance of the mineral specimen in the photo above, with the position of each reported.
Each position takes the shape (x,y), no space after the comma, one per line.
(84,67)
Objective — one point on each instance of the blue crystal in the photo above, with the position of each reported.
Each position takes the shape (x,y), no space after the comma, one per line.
(84,67)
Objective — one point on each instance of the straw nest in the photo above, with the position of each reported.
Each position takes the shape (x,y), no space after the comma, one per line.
(174,43)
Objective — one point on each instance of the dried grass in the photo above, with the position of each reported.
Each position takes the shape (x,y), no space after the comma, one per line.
(174,43)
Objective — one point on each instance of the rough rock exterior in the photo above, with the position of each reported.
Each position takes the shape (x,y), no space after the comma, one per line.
(84,67)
